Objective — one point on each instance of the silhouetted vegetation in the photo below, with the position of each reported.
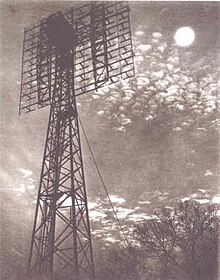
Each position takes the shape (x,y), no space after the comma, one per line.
(175,243)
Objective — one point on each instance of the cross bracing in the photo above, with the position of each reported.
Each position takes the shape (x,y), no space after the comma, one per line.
(64,56)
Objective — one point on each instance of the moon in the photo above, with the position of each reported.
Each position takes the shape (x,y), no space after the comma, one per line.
(184,36)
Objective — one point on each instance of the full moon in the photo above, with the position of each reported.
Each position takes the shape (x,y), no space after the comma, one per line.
(184,36)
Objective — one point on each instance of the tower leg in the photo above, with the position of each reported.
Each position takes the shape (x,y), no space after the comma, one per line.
(61,241)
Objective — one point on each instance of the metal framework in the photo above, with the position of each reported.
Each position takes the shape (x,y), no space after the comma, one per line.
(64,56)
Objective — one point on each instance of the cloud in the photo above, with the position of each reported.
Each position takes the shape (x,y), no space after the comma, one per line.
(20,189)
(208,173)
(92,205)
(203,200)
(31,187)
(97,215)
(123,213)
(139,33)
(216,199)
(139,217)
(100,113)
(116,199)
(203,190)
(106,227)
(111,239)
(144,47)
(164,83)
(26,172)
(144,202)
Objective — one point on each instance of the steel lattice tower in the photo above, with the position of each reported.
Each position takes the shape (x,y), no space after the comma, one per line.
(64,56)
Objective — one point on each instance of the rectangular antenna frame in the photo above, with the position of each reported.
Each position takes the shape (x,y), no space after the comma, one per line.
(102,53)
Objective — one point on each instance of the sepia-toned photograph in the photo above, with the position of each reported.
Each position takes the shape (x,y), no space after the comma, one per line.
(109,140)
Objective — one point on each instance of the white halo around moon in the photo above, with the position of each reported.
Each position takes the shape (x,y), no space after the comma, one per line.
(184,36)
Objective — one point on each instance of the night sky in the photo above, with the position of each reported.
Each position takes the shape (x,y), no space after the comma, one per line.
(141,163)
